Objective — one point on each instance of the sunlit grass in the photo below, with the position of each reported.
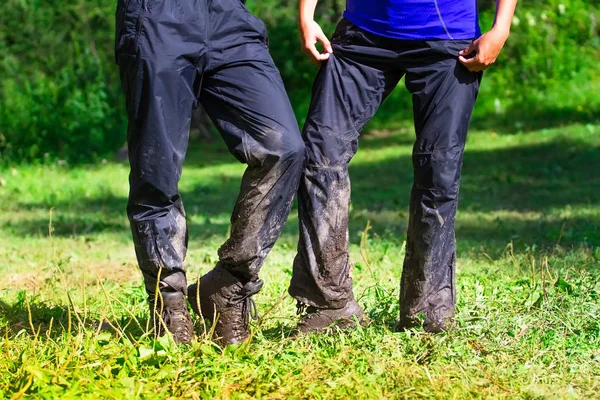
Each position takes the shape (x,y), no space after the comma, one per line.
(73,315)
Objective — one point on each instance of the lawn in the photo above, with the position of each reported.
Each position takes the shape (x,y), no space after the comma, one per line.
(73,311)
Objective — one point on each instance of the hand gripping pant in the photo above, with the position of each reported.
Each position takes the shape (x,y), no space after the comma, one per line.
(363,69)
(172,55)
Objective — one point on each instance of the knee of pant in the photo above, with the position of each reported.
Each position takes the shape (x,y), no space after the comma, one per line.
(295,150)
(148,201)
(275,147)
(330,148)
(289,151)
(438,172)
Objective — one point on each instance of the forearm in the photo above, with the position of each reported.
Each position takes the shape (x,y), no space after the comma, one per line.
(484,51)
(306,10)
(505,10)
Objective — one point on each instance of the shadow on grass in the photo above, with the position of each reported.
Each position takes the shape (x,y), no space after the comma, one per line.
(54,321)
(528,119)
(281,331)
(523,185)
(21,316)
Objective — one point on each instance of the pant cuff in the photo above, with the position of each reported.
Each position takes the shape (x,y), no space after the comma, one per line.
(318,303)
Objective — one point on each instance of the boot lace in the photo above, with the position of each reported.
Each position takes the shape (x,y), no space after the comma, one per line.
(163,314)
(306,311)
(244,297)
(301,308)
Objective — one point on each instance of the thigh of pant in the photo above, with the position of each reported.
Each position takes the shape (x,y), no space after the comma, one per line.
(247,101)
(347,92)
(444,94)
(233,32)
(159,48)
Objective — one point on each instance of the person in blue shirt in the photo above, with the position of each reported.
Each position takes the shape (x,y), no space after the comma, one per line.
(437,46)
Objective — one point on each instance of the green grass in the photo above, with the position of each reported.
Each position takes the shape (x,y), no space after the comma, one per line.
(73,316)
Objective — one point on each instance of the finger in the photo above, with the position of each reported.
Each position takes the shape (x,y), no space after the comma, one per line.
(315,56)
(323,56)
(310,49)
(472,47)
(472,64)
(318,56)
(326,44)
(468,61)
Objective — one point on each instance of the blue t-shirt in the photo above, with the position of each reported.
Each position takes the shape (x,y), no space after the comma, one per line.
(416,19)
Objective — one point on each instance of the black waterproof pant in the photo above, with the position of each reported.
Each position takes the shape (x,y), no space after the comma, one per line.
(363,69)
(173,55)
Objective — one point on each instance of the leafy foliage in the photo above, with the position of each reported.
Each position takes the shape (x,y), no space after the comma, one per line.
(60,91)
(61,97)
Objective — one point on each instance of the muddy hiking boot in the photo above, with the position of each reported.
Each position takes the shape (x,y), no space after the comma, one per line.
(315,319)
(169,311)
(434,321)
(222,297)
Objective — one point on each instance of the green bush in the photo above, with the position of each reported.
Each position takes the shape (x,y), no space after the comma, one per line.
(547,74)
(61,115)
(59,86)
(549,70)
(60,94)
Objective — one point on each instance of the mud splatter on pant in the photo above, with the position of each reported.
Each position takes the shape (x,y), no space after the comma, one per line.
(173,55)
(349,88)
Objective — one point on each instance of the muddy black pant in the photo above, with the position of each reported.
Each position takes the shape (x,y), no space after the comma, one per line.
(173,55)
(363,69)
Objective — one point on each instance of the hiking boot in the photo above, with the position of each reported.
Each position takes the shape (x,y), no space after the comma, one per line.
(436,321)
(169,311)
(224,299)
(319,319)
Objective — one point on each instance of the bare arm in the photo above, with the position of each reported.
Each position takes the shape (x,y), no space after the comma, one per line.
(485,49)
(311,32)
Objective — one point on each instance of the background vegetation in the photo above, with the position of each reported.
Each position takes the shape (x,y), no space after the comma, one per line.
(61,98)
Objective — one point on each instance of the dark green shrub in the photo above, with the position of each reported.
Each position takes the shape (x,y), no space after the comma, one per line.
(60,94)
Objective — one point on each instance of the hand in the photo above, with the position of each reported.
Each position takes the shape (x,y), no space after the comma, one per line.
(485,49)
(310,34)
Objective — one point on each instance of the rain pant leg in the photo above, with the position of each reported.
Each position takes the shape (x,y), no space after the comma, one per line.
(348,89)
(243,93)
(172,55)
(444,94)
(157,49)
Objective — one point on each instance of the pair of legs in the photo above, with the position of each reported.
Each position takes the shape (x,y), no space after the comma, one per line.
(173,55)
(363,69)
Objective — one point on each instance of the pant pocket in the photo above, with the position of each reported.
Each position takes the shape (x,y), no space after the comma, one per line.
(128,26)
(132,79)
(259,26)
